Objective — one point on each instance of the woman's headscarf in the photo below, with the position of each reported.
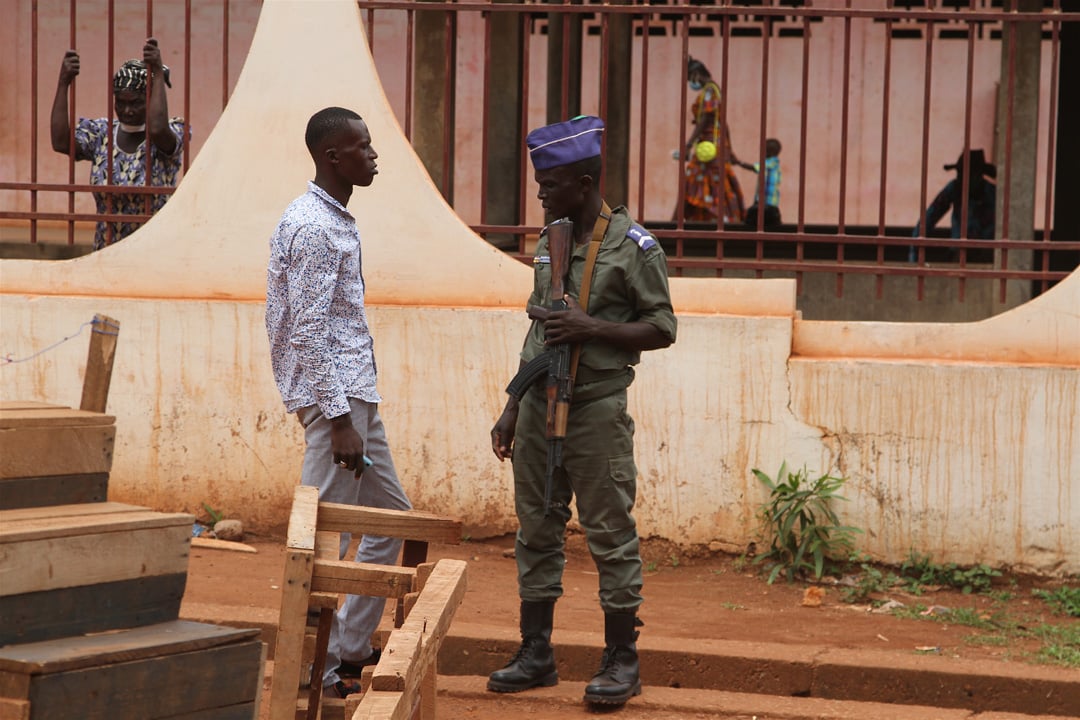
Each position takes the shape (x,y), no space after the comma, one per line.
(132,76)
(693,64)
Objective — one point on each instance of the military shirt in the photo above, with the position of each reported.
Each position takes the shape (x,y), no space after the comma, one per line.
(630,283)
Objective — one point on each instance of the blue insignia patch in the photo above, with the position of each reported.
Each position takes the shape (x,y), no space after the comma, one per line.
(641,236)
(542,260)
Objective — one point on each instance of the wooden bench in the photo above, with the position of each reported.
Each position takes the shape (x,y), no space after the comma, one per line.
(174,670)
(314,577)
(55,455)
(74,569)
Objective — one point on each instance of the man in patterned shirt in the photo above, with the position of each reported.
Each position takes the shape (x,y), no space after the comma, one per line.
(324,363)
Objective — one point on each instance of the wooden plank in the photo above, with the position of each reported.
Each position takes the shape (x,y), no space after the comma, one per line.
(256,710)
(303,518)
(66,511)
(413,553)
(34,452)
(327,545)
(29,528)
(384,706)
(215,544)
(400,668)
(99,363)
(97,557)
(243,711)
(53,490)
(292,619)
(352,703)
(85,651)
(346,576)
(14,709)
(37,616)
(51,417)
(423,572)
(429,690)
(405,524)
(26,405)
(14,684)
(409,601)
(318,663)
(153,688)
(323,600)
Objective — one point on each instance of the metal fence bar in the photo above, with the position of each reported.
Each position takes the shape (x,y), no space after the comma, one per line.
(147,142)
(1011,31)
(1055,35)
(33,115)
(879,280)
(71,125)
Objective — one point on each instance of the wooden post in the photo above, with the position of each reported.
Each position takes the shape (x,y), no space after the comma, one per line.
(99,363)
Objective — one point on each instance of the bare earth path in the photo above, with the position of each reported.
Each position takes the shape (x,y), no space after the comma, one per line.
(687,600)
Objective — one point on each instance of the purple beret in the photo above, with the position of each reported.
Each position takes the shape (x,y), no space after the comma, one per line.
(565,142)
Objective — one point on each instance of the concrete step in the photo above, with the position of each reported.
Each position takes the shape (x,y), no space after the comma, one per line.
(693,703)
(953,687)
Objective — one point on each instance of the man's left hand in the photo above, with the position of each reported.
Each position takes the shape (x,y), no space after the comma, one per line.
(568,326)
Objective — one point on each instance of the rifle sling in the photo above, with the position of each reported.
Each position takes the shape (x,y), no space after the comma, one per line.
(599,228)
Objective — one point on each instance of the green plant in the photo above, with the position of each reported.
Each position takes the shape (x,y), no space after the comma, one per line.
(804,530)
(650,567)
(216,516)
(869,581)
(1060,644)
(674,560)
(919,570)
(1064,601)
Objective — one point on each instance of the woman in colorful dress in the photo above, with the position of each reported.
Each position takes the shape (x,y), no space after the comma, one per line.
(137,119)
(712,190)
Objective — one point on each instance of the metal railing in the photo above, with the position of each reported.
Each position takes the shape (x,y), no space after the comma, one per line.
(957,87)
(868,99)
(105,35)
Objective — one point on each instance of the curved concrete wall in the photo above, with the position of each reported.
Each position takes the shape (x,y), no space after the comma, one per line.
(199,418)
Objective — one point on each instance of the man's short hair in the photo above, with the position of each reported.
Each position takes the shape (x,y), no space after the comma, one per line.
(325,124)
(592,167)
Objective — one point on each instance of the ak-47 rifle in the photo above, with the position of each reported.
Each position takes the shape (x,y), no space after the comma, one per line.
(556,361)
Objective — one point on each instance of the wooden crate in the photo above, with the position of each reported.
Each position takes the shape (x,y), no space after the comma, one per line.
(179,670)
(73,569)
(53,455)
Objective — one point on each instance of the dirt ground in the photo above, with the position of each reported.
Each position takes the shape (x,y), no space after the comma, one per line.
(707,595)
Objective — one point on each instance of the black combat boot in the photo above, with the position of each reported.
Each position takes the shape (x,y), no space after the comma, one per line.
(618,679)
(534,663)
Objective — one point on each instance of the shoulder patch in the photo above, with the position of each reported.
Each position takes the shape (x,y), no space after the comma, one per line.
(641,236)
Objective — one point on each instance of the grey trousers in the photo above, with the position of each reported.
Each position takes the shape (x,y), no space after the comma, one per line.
(359,615)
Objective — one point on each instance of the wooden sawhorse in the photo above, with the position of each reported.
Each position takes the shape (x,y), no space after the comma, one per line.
(314,578)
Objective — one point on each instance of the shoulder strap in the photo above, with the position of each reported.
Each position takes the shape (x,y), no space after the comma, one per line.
(586,278)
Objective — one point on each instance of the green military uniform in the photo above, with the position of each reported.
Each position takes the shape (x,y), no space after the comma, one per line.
(629,284)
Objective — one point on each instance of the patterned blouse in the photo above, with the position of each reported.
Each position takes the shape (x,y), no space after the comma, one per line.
(321,348)
(128,169)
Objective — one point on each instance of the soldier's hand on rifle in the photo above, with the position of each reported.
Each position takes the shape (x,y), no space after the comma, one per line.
(502,435)
(568,326)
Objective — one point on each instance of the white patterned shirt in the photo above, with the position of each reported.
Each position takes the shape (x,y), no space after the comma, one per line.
(320,344)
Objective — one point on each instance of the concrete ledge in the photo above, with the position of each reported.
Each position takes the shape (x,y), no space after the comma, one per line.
(803,681)
(720,703)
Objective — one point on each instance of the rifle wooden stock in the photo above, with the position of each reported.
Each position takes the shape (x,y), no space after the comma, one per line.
(560,236)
